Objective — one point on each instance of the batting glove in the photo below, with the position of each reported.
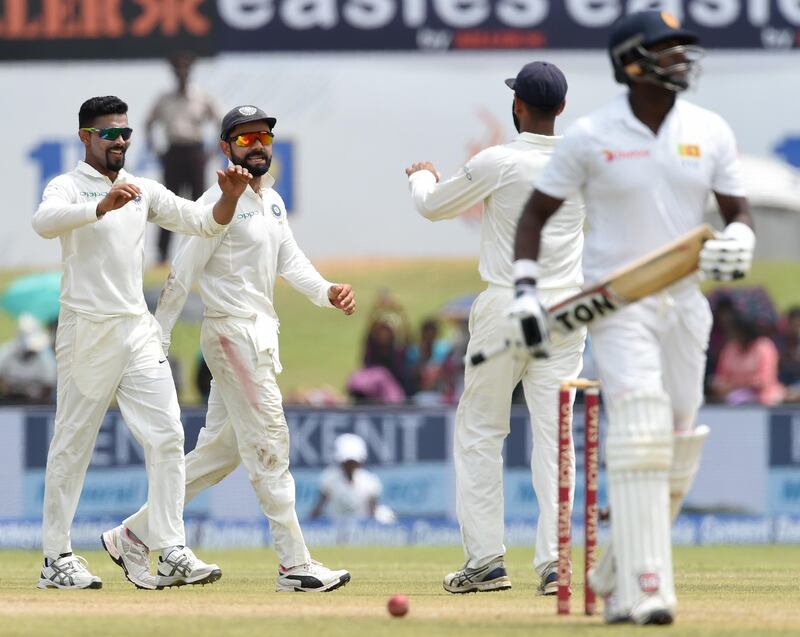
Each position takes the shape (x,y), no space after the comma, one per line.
(528,330)
(729,256)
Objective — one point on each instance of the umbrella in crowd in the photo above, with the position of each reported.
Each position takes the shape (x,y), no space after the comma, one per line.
(35,294)
(751,302)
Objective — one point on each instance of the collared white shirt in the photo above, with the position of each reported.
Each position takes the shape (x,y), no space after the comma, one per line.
(503,177)
(237,270)
(641,190)
(103,259)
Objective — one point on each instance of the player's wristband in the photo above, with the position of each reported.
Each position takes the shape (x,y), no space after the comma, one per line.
(525,269)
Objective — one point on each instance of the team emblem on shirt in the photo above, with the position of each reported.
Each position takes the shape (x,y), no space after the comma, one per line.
(276,211)
(689,150)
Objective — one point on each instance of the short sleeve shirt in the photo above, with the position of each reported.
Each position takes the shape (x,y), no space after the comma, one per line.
(641,190)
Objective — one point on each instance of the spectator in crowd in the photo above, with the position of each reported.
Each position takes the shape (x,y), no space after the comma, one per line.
(181,113)
(789,350)
(724,312)
(385,376)
(429,365)
(747,370)
(348,491)
(28,364)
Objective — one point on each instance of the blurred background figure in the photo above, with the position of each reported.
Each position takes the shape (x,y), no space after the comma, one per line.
(28,365)
(789,352)
(181,114)
(350,492)
(747,370)
(385,376)
(430,365)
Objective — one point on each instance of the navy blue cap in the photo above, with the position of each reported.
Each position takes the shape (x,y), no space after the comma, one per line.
(646,28)
(540,84)
(242,115)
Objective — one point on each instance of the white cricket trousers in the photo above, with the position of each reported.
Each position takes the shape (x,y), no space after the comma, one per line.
(657,345)
(483,423)
(651,361)
(97,360)
(238,431)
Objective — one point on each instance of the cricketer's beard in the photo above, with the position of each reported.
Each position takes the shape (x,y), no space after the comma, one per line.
(256,170)
(114,163)
(514,117)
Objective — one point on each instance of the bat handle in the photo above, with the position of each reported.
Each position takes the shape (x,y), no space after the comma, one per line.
(490,353)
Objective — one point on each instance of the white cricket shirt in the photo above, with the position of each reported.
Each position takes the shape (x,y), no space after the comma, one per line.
(641,190)
(503,177)
(349,499)
(237,270)
(103,259)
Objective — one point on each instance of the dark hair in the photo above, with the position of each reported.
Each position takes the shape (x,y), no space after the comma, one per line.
(747,329)
(95,107)
(794,312)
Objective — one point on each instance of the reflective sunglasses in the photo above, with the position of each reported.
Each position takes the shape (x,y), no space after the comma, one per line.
(248,139)
(111,133)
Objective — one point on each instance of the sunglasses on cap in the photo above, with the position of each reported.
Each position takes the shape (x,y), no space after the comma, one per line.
(111,133)
(248,139)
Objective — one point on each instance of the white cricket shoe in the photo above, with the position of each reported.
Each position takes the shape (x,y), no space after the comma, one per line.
(131,555)
(548,583)
(489,577)
(651,609)
(311,577)
(181,566)
(68,571)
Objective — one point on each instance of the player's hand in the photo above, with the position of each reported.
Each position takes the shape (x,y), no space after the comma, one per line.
(730,255)
(423,165)
(342,298)
(233,181)
(528,329)
(118,196)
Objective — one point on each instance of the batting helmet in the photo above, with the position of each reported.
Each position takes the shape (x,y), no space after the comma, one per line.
(629,45)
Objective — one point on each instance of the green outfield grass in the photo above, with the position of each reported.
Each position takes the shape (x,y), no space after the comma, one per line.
(722,591)
(321,347)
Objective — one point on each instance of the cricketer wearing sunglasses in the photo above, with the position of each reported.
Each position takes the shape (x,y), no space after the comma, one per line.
(239,338)
(108,345)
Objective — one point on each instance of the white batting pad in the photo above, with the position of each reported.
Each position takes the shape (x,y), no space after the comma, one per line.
(639,432)
(603,576)
(640,528)
(688,447)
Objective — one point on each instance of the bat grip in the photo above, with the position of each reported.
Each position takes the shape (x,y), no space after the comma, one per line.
(488,354)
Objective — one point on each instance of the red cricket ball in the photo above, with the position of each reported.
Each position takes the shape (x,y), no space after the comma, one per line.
(397,605)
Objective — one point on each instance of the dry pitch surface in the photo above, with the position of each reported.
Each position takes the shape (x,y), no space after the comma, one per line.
(722,591)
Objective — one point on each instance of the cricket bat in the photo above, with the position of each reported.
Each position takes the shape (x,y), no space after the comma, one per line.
(648,275)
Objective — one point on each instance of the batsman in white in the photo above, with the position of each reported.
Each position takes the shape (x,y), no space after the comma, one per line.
(503,177)
(108,344)
(239,338)
(645,164)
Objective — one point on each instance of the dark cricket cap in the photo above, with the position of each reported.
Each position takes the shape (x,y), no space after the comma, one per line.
(648,28)
(242,115)
(539,84)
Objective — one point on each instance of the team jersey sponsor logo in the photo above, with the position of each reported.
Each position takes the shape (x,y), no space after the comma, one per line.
(689,150)
(93,195)
(242,216)
(467,173)
(615,155)
(649,582)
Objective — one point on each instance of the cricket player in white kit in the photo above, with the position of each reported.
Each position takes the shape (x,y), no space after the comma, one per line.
(502,177)
(239,338)
(645,164)
(108,344)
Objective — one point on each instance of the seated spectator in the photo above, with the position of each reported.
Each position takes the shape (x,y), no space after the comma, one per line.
(28,365)
(427,362)
(384,375)
(747,370)
(721,333)
(789,350)
(348,491)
